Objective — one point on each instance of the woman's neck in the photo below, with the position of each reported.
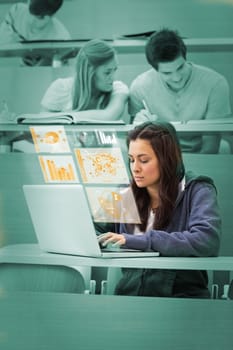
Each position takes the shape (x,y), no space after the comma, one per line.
(96,93)
(154,197)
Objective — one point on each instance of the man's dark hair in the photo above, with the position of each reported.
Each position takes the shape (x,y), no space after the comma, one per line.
(164,46)
(44,7)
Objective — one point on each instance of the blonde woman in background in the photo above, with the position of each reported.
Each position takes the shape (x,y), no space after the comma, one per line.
(92,91)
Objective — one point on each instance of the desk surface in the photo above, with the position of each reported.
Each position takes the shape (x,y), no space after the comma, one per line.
(86,322)
(70,48)
(224,125)
(31,253)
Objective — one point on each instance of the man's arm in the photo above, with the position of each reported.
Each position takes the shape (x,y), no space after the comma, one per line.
(218,107)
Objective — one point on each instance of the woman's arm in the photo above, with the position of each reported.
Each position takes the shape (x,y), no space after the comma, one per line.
(115,107)
(58,98)
(113,111)
(200,235)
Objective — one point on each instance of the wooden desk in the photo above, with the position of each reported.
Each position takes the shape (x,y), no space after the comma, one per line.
(31,253)
(69,48)
(198,126)
(87,322)
(222,125)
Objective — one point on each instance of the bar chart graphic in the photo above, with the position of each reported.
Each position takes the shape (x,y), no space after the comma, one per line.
(50,139)
(58,169)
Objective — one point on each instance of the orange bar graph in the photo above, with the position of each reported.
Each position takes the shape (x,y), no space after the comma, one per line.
(52,170)
(71,172)
(57,171)
(43,167)
(81,165)
(60,173)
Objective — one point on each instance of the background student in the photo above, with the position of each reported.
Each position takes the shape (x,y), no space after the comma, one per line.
(33,21)
(179,215)
(92,90)
(178,90)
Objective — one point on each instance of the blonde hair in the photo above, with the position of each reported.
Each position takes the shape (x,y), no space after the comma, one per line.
(92,55)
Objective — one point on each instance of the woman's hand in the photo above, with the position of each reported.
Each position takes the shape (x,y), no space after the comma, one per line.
(114,239)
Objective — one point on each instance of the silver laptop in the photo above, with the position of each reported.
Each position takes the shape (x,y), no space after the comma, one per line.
(63,224)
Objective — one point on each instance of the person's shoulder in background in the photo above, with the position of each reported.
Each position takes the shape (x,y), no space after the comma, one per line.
(58,96)
(8,27)
(144,78)
(208,75)
(58,30)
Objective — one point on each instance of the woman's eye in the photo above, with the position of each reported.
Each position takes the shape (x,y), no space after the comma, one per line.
(143,161)
(110,72)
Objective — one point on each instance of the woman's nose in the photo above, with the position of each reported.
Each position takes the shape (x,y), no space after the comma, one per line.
(135,167)
(111,79)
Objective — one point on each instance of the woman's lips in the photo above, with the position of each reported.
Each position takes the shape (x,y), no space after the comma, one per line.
(138,178)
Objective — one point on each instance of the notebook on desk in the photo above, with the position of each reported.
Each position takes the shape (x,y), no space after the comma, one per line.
(69,117)
(63,223)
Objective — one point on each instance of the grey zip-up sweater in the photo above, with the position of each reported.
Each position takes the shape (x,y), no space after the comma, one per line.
(194,231)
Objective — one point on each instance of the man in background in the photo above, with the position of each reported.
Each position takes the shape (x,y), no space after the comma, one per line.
(33,21)
(178,90)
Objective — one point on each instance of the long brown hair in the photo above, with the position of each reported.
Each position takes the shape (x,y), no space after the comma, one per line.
(165,143)
(93,54)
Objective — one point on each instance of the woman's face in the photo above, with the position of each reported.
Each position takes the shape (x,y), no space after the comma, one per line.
(104,76)
(144,164)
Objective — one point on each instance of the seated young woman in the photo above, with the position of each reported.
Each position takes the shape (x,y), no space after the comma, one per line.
(179,215)
(92,91)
